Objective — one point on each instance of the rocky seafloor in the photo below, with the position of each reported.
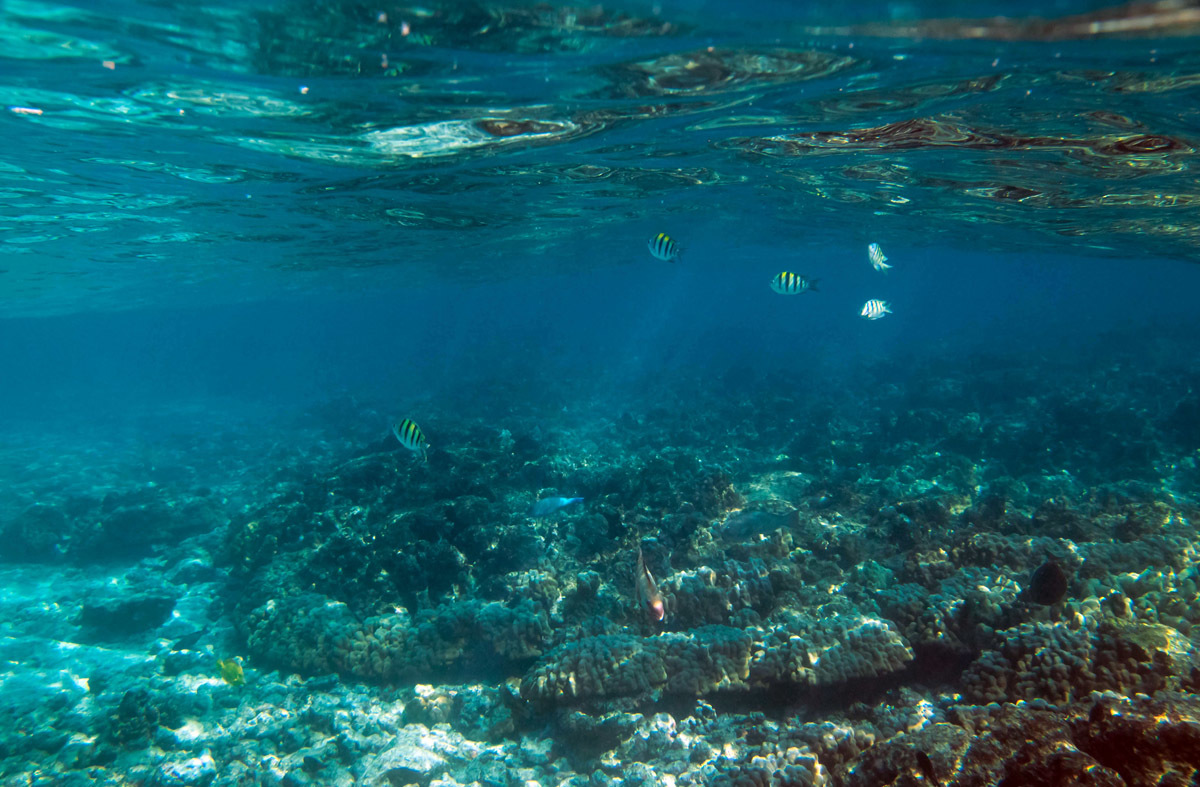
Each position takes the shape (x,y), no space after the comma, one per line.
(959,573)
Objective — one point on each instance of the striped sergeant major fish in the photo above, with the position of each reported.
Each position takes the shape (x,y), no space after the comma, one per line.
(875,308)
(792,283)
(411,437)
(646,592)
(877,257)
(664,247)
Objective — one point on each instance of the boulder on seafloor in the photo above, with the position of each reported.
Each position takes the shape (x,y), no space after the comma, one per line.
(132,523)
(486,714)
(481,713)
(125,524)
(192,772)
(310,633)
(135,719)
(798,652)
(418,755)
(120,616)
(584,736)
(40,532)
(404,763)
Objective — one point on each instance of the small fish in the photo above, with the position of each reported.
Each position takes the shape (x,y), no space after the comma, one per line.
(231,672)
(410,436)
(875,308)
(1049,584)
(926,766)
(878,258)
(549,505)
(664,247)
(646,592)
(792,283)
(187,641)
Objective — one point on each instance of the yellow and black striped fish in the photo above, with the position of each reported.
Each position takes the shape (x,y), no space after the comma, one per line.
(664,247)
(792,283)
(409,435)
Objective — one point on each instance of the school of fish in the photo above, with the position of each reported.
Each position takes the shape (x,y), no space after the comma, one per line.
(664,247)
(645,591)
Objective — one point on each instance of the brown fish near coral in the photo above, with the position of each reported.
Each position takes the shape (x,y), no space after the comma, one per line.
(1048,585)
(646,592)
(926,766)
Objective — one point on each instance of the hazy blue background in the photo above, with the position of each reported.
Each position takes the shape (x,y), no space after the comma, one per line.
(203,217)
(625,325)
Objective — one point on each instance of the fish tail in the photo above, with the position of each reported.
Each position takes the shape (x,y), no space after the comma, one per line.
(812,285)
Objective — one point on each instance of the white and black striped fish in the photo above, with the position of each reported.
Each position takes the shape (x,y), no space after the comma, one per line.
(875,308)
(877,257)
(664,247)
(410,436)
(792,283)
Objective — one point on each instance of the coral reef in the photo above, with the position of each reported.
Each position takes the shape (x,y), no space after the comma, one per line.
(942,604)
(706,660)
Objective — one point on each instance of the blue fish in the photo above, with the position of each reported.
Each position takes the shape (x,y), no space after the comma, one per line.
(549,505)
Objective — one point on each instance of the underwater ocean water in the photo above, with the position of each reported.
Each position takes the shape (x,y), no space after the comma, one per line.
(687,393)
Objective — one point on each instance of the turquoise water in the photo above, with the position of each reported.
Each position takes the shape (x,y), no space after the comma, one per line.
(257,148)
(239,241)
(464,174)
